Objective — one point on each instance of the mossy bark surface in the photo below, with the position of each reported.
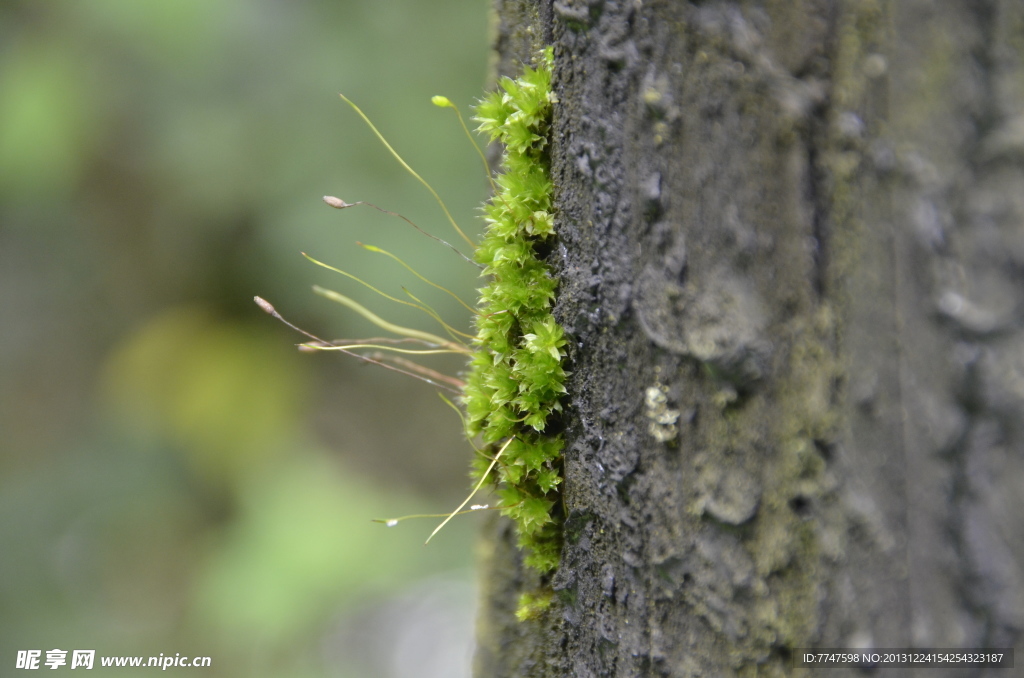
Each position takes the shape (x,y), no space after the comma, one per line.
(790,244)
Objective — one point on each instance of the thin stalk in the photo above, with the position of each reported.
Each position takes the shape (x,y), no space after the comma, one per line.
(411,171)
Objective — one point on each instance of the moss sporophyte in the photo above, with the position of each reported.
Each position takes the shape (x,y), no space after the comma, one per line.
(510,395)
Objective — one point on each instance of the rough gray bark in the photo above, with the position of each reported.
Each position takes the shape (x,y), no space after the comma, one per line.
(799,226)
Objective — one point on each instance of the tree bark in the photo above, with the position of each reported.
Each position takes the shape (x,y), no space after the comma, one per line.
(791,262)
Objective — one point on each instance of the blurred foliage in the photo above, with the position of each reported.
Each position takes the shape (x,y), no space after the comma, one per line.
(225,392)
(174,477)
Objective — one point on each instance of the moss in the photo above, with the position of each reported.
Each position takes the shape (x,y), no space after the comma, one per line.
(516,376)
(533,605)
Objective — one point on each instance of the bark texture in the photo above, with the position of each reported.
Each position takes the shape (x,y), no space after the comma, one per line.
(791,258)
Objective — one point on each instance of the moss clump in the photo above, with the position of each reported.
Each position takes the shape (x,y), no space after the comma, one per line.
(516,376)
(533,605)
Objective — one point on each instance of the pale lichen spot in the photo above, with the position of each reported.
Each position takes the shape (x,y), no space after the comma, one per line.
(662,419)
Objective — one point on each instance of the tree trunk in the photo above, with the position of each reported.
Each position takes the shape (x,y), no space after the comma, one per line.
(791,262)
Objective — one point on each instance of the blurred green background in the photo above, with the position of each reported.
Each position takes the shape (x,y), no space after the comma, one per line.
(174,476)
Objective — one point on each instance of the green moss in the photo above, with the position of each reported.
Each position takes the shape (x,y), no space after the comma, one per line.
(516,377)
(533,605)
